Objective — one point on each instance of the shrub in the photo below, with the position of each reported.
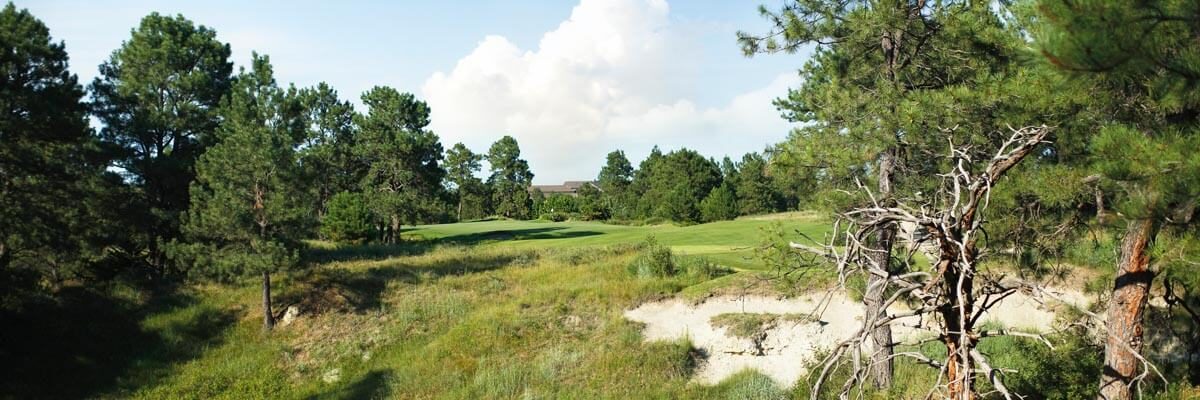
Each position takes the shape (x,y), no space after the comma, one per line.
(555,216)
(699,267)
(348,219)
(654,260)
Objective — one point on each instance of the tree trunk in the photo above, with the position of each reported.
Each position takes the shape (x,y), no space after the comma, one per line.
(881,246)
(395,237)
(959,336)
(268,316)
(1131,291)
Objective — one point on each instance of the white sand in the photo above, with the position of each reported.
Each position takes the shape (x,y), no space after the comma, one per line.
(791,345)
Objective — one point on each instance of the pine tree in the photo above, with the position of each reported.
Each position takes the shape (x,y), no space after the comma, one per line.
(404,176)
(461,166)
(157,97)
(614,183)
(1139,61)
(348,219)
(50,165)
(327,155)
(248,210)
(510,179)
(887,85)
(755,190)
(671,186)
(720,205)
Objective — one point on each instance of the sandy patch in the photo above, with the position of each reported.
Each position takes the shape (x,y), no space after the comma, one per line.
(789,346)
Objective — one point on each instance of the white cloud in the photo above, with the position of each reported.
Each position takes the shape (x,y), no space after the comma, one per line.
(613,75)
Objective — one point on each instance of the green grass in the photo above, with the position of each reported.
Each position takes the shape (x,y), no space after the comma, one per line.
(749,325)
(489,310)
(729,243)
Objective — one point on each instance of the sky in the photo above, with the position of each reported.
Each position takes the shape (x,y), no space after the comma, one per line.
(571,81)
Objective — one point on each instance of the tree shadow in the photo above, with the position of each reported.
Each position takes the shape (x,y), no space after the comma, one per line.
(321,290)
(83,343)
(371,252)
(373,385)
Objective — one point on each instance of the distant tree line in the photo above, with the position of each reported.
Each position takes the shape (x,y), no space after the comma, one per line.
(680,186)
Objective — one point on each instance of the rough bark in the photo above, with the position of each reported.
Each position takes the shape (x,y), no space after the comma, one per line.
(959,335)
(1131,290)
(394,237)
(268,316)
(881,246)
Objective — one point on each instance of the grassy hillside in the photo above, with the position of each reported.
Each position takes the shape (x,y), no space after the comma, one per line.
(490,310)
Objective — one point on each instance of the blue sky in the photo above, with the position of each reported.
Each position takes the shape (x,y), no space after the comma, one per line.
(570,80)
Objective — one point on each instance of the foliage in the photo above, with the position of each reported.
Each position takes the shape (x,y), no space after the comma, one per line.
(327,154)
(720,205)
(403,181)
(653,260)
(461,166)
(158,97)
(348,219)
(510,179)
(755,189)
(54,195)
(248,211)
(592,206)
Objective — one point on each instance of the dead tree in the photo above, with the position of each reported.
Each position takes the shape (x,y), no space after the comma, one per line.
(952,294)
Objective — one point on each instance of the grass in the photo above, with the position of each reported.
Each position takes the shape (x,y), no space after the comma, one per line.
(730,243)
(750,325)
(490,310)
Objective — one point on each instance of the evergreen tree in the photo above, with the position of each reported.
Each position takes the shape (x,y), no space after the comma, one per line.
(327,156)
(510,179)
(50,165)
(614,183)
(671,186)
(157,97)
(720,205)
(461,166)
(887,85)
(403,182)
(640,186)
(1138,60)
(729,172)
(248,210)
(348,219)
(591,203)
(755,190)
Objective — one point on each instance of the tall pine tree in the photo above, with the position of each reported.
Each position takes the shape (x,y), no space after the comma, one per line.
(404,176)
(157,97)
(1140,59)
(248,210)
(510,179)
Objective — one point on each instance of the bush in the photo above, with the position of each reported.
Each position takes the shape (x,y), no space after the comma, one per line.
(699,267)
(654,260)
(348,219)
(555,216)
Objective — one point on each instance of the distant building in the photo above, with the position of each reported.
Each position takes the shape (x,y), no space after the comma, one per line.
(569,188)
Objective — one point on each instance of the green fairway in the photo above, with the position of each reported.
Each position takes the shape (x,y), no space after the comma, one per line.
(730,243)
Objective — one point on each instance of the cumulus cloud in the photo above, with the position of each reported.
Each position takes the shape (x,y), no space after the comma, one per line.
(614,75)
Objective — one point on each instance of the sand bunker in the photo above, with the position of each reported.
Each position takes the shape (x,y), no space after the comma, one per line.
(790,345)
